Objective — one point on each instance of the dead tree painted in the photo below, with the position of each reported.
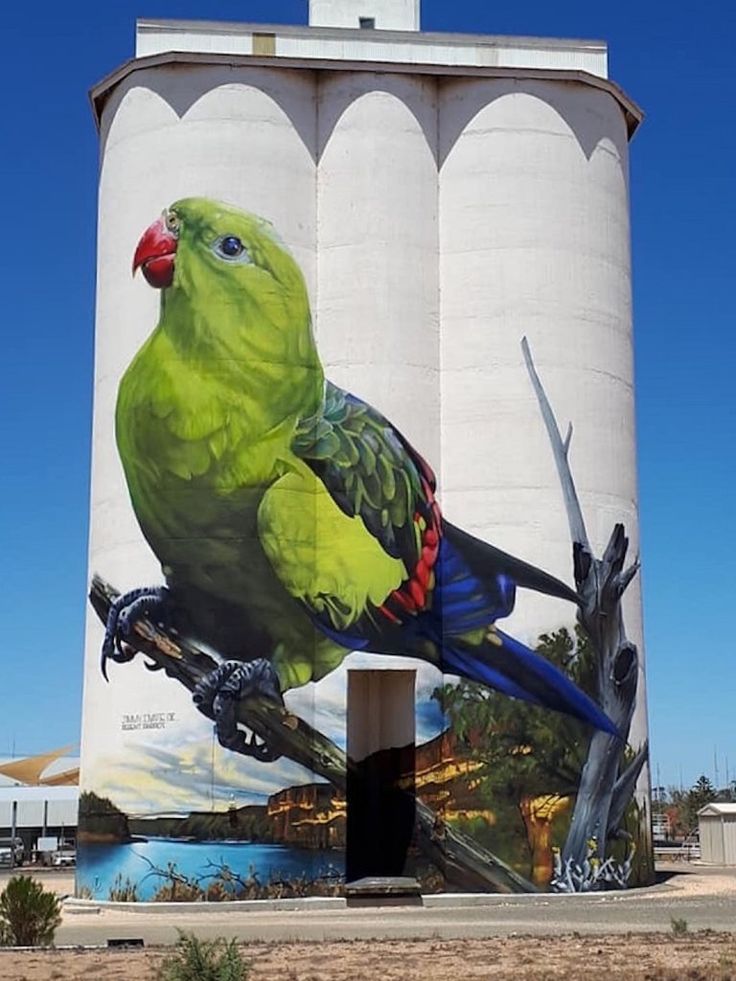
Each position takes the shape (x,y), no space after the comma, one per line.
(607,782)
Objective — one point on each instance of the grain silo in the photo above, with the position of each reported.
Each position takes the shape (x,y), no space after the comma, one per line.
(361,247)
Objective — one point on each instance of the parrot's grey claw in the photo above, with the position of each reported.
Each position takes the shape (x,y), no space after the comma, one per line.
(219,693)
(149,602)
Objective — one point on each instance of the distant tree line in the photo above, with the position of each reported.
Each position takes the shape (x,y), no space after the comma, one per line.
(681,807)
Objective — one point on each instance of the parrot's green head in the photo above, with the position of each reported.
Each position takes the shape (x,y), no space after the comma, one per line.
(230,289)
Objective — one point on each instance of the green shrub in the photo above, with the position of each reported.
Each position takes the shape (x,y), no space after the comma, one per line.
(679,926)
(29,914)
(204,960)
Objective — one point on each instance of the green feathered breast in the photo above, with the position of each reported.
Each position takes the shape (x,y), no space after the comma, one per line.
(225,430)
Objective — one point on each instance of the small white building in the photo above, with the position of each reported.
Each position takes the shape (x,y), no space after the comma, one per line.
(717,826)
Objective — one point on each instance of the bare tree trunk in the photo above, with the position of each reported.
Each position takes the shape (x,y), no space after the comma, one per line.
(603,793)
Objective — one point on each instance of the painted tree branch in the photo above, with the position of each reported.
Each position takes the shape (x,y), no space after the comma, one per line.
(466,864)
(181,659)
(623,789)
(600,582)
(560,450)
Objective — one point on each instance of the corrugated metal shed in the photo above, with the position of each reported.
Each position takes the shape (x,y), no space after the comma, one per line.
(60,803)
(717,825)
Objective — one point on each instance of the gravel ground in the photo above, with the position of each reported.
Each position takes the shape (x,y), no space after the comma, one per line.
(699,957)
(60,880)
(571,938)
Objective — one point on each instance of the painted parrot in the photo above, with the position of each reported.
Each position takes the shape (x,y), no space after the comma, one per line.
(293,522)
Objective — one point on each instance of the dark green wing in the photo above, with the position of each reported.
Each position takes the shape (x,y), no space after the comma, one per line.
(371,470)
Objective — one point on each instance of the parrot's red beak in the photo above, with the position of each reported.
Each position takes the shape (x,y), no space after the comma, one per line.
(155,254)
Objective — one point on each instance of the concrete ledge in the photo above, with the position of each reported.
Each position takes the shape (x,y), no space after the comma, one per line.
(308,904)
(311,904)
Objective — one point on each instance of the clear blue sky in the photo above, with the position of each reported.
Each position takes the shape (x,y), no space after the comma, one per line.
(676,60)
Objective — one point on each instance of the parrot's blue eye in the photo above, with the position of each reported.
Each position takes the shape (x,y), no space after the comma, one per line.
(231,248)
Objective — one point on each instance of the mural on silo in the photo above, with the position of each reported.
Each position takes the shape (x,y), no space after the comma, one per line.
(299,533)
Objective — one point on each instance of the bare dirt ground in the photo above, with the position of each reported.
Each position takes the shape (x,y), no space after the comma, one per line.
(60,881)
(702,896)
(703,956)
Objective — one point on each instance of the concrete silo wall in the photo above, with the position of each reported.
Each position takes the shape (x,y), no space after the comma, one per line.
(534,241)
(436,222)
(377,303)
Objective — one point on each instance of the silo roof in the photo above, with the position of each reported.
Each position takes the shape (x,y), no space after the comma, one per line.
(162,42)
(408,47)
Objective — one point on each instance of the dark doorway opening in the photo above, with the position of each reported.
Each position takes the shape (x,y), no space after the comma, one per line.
(381,778)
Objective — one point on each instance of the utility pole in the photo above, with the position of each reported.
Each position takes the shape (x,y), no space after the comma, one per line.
(13,832)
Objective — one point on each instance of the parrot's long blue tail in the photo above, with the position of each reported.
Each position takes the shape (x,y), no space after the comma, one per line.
(476,586)
(514,669)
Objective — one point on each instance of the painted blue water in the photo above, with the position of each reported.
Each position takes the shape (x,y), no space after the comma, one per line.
(98,866)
